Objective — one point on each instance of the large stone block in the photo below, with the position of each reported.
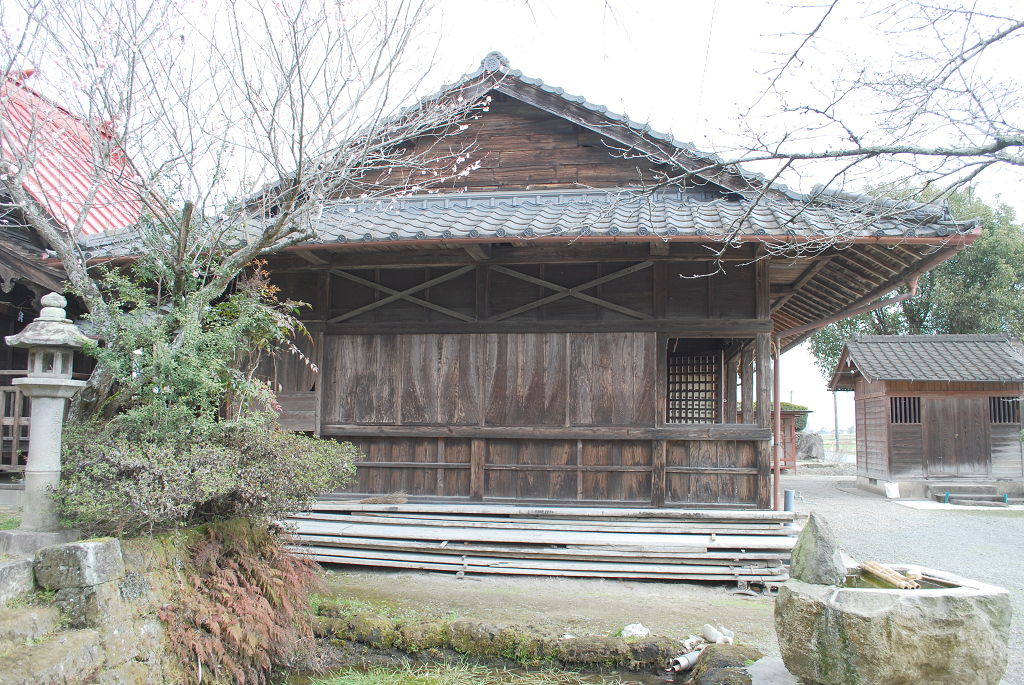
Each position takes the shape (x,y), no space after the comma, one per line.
(946,636)
(15,578)
(88,607)
(816,558)
(79,564)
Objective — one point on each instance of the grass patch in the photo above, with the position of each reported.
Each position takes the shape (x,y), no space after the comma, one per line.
(460,674)
(354,605)
(9,522)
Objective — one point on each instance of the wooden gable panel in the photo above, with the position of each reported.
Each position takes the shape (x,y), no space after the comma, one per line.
(520,146)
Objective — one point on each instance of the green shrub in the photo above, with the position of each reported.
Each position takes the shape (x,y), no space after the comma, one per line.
(150,471)
(801,421)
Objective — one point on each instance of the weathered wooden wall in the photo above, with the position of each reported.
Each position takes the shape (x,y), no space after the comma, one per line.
(956,435)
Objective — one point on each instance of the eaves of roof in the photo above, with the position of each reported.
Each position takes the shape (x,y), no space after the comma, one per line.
(944,358)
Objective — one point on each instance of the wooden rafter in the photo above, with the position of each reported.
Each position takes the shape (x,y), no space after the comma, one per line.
(806,276)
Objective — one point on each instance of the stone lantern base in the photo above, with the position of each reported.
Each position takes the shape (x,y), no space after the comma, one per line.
(25,543)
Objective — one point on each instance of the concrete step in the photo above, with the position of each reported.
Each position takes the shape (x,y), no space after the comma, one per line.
(961,489)
(966,495)
(69,658)
(977,502)
(23,624)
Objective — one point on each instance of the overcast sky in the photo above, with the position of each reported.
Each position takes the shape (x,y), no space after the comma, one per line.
(692,68)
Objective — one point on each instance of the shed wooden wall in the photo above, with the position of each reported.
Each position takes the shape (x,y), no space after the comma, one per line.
(955,437)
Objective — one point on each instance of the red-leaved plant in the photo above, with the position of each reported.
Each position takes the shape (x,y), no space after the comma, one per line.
(243,606)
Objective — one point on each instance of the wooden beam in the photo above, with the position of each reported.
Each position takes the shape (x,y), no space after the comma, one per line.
(731,369)
(478,251)
(356,257)
(799,283)
(763,278)
(747,384)
(478,454)
(764,399)
(576,291)
(659,449)
(403,295)
(675,431)
(660,248)
(23,268)
(688,328)
(310,257)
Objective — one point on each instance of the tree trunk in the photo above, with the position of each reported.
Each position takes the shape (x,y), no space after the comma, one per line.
(91,400)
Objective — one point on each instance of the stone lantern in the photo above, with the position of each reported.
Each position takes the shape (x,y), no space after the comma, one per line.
(51,341)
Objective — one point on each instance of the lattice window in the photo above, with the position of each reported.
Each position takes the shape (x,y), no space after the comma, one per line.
(1004,409)
(693,389)
(904,410)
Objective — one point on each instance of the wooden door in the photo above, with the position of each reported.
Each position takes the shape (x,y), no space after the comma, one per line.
(955,436)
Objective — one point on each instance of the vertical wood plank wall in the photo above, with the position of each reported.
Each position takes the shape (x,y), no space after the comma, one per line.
(529,381)
(955,436)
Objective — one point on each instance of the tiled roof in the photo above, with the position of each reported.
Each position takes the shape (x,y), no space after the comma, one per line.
(990,358)
(63,170)
(530,215)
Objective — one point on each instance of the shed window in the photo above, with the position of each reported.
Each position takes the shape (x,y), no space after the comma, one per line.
(904,410)
(693,389)
(1004,409)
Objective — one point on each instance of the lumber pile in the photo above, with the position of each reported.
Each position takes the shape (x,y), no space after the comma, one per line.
(667,544)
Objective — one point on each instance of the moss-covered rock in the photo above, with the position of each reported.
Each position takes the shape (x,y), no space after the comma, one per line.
(724,665)
(422,636)
(597,650)
(653,650)
(476,638)
(371,629)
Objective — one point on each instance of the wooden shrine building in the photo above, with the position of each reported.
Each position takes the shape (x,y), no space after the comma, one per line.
(935,408)
(553,329)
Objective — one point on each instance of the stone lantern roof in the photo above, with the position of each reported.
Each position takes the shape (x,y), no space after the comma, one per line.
(51,328)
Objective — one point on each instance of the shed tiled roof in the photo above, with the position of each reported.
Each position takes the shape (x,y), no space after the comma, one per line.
(989,358)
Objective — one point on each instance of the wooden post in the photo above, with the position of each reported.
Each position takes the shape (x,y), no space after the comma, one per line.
(730,391)
(764,408)
(476,469)
(764,381)
(658,449)
(747,378)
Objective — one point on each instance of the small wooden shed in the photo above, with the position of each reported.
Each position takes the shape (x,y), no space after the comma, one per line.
(934,408)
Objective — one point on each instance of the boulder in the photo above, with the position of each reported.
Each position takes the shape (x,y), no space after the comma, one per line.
(816,557)
(79,564)
(809,447)
(725,665)
(947,636)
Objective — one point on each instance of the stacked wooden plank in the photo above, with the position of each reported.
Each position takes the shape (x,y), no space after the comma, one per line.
(669,544)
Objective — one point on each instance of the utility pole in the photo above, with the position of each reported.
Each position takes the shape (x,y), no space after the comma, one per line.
(835,411)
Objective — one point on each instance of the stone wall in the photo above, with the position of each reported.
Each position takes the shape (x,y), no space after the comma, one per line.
(109,593)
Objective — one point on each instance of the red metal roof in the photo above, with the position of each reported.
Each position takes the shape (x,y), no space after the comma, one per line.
(63,167)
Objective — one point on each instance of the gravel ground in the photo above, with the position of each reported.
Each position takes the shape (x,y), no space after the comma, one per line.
(982,545)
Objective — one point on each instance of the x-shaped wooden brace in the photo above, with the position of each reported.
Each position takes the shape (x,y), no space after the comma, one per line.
(561,291)
(403,295)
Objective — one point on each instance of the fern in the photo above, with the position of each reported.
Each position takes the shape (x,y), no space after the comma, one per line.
(243,607)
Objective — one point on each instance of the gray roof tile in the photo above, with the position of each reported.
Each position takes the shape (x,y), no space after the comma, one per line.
(968,358)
